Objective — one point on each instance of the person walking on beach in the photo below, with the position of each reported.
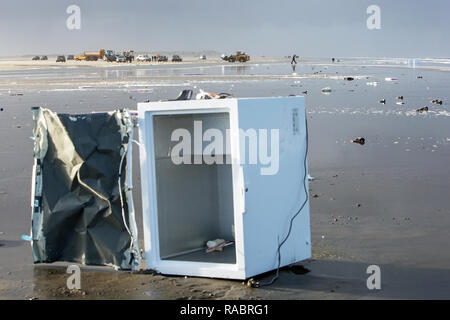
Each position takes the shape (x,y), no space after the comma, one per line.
(293,61)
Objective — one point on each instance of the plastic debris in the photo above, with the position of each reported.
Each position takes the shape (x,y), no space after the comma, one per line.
(349,78)
(383,101)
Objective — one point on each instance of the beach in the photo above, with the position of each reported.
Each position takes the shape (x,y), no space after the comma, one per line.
(384,203)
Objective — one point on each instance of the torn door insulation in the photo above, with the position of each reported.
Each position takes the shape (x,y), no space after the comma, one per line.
(79,213)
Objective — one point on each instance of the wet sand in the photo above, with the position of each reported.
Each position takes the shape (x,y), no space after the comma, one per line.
(383,203)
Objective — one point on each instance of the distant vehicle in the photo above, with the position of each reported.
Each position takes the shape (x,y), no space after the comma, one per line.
(129,55)
(163,59)
(91,55)
(36,58)
(61,59)
(143,58)
(70,57)
(110,56)
(121,59)
(44,58)
(239,56)
(202,57)
(94,55)
(176,58)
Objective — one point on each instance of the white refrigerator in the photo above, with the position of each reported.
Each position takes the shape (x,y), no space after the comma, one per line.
(229,169)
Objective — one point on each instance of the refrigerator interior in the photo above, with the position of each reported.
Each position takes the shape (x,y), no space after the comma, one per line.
(194,201)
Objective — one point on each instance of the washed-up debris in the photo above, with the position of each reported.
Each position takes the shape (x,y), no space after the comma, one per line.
(217,245)
(311,178)
(203,95)
(400,97)
(383,101)
(1,109)
(305,92)
(421,110)
(359,140)
(400,103)
(373,83)
(251,283)
(436,101)
(390,79)
(326,90)
(16,94)
(419,77)
(349,78)
(184,95)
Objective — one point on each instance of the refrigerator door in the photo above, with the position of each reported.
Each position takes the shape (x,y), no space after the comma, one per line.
(82,208)
(276,183)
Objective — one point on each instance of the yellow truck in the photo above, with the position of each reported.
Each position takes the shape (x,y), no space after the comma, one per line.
(91,55)
(239,56)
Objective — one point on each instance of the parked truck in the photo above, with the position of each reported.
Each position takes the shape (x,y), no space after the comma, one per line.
(239,56)
(91,55)
(109,56)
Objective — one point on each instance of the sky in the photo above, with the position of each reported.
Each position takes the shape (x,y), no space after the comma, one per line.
(314,28)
